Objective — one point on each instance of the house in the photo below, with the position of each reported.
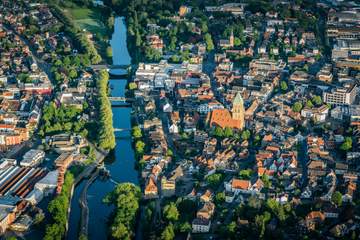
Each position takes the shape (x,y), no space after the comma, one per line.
(207,211)
(183,10)
(313,219)
(349,192)
(151,190)
(168,187)
(155,42)
(206,197)
(238,186)
(201,225)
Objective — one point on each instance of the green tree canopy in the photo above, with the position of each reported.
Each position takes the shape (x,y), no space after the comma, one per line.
(297,107)
(336,198)
(209,42)
(347,144)
(171,212)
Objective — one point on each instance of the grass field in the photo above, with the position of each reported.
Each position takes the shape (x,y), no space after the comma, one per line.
(88,19)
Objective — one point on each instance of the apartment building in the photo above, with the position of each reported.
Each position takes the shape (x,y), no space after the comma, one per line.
(342,95)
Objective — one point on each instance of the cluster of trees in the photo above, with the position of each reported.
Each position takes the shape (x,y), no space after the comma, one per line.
(314,101)
(259,214)
(228,132)
(106,129)
(220,132)
(139,144)
(125,197)
(66,67)
(58,209)
(178,216)
(57,119)
(214,180)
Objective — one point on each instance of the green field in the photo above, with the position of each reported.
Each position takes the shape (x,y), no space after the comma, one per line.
(88,19)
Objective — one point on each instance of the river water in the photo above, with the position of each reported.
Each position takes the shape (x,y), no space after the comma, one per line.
(121,164)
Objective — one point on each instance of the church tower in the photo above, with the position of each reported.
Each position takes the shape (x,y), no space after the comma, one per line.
(238,111)
(231,40)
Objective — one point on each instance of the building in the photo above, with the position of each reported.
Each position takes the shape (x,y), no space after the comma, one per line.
(223,118)
(183,10)
(342,95)
(233,8)
(200,225)
(168,187)
(8,211)
(151,190)
(227,43)
(266,65)
(62,163)
(32,158)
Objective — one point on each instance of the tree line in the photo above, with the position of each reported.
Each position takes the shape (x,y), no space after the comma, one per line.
(106,135)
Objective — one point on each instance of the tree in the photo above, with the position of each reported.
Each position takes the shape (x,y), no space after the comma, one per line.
(309,104)
(283,86)
(336,198)
(171,212)
(185,227)
(214,180)
(317,100)
(139,147)
(219,132)
(132,86)
(109,52)
(67,61)
(245,174)
(237,42)
(297,107)
(219,197)
(245,135)
(168,233)
(136,132)
(72,73)
(254,202)
(347,144)
(209,42)
(228,132)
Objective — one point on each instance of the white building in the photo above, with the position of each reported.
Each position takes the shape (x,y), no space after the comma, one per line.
(201,225)
(32,158)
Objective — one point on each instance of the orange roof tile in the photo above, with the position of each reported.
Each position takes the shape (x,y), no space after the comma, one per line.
(240,184)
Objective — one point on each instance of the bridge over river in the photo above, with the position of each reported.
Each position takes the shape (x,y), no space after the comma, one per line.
(114,70)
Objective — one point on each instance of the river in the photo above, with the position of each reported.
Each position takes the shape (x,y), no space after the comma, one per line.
(121,164)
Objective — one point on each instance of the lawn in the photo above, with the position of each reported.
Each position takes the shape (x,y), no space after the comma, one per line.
(88,19)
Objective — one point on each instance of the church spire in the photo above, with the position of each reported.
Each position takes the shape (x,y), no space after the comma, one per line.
(238,111)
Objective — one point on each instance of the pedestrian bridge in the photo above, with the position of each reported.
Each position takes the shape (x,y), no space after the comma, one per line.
(121,129)
(121,99)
